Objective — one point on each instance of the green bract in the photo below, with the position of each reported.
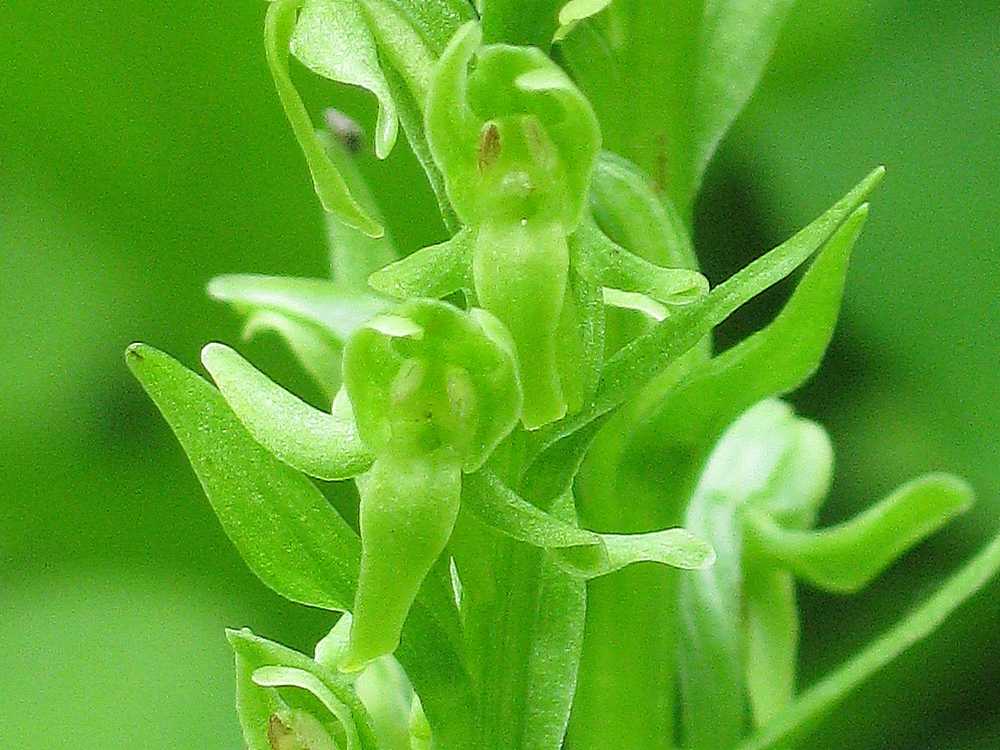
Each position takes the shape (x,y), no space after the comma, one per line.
(543,414)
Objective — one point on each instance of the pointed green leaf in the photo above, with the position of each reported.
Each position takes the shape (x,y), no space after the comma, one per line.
(332,39)
(698,61)
(795,722)
(648,355)
(844,558)
(279,25)
(326,446)
(434,271)
(771,362)
(283,527)
(581,552)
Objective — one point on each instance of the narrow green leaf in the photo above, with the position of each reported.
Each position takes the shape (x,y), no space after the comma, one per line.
(332,39)
(434,271)
(771,362)
(800,717)
(583,553)
(326,446)
(698,60)
(281,524)
(650,354)
(289,535)
(846,557)
(284,682)
(333,193)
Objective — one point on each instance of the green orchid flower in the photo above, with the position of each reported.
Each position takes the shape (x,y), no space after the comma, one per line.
(517,142)
(434,390)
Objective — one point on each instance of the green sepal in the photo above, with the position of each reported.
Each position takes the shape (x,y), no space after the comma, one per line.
(435,271)
(515,138)
(629,210)
(314,316)
(282,526)
(409,505)
(332,39)
(844,558)
(279,25)
(279,690)
(451,127)
(585,554)
(449,380)
(326,446)
(575,11)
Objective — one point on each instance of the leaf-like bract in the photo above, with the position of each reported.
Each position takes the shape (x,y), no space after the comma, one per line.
(283,527)
(581,552)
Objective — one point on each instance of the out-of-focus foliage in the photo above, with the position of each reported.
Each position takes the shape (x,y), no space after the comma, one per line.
(143,153)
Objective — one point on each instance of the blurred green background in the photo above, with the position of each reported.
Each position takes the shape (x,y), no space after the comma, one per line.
(142,151)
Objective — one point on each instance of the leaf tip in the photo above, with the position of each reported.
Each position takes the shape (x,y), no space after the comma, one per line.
(213,353)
